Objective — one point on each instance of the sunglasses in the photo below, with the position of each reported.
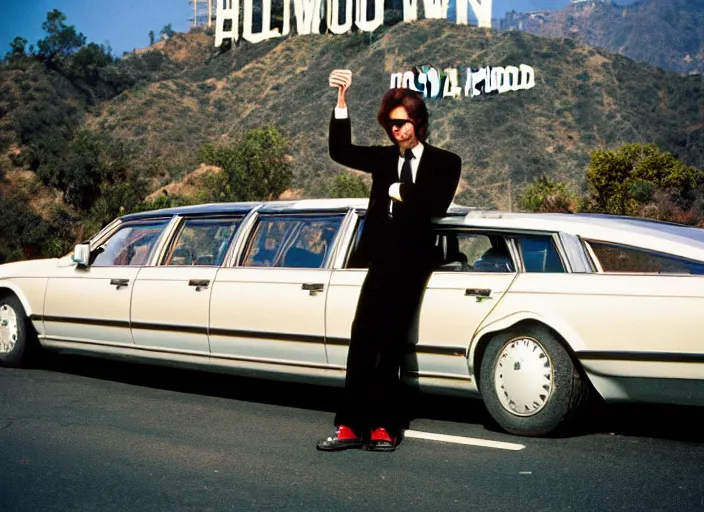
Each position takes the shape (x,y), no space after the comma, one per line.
(398,123)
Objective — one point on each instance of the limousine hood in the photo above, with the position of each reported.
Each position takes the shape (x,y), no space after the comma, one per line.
(29,268)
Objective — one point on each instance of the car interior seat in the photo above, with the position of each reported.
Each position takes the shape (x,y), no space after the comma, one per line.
(494,259)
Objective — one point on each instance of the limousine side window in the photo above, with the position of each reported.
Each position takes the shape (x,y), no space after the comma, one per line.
(615,258)
(473,252)
(132,244)
(201,242)
(292,241)
(539,254)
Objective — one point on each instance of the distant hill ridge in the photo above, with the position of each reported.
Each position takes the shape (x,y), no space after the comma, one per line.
(665,33)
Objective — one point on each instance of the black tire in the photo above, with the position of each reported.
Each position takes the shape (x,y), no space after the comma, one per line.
(25,344)
(566,390)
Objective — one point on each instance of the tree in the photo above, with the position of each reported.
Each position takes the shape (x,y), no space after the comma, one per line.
(255,167)
(88,62)
(61,40)
(17,49)
(168,31)
(546,195)
(621,181)
(22,230)
(348,185)
(151,37)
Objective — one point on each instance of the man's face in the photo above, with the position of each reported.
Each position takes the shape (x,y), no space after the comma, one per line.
(405,133)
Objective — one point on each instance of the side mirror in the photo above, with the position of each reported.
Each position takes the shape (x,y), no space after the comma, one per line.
(81,255)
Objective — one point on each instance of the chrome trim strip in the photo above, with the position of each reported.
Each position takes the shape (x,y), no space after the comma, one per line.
(277,362)
(594,259)
(234,252)
(158,350)
(575,253)
(188,329)
(265,335)
(562,253)
(82,346)
(163,241)
(438,375)
(84,321)
(653,357)
(84,341)
(418,349)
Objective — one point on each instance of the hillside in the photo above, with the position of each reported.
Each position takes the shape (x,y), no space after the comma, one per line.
(664,33)
(584,98)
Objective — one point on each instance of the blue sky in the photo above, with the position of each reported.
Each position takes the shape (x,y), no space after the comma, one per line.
(125,24)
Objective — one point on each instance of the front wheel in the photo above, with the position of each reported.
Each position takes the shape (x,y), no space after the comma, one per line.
(529,383)
(15,333)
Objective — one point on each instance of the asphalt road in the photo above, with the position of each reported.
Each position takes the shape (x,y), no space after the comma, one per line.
(89,435)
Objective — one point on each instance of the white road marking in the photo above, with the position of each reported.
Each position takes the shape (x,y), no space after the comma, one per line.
(416,434)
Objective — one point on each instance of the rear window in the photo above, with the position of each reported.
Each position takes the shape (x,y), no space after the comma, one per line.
(539,254)
(615,258)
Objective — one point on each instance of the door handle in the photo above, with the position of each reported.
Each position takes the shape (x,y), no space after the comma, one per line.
(119,282)
(199,283)
(480,293)
(313,288)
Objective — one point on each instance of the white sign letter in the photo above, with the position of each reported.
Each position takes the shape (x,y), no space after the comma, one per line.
(527,77)
(230,13)
(451,88)
(478,77)
(307,16)
(266,32)
(434,79)
(409,81)
(436,9)
(333,15)
(396,81)
(481,8)
(371,25)
(410,10)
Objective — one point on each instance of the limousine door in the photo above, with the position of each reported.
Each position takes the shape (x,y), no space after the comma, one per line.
(460,294)
(92,305)
(271,308)
(171,301)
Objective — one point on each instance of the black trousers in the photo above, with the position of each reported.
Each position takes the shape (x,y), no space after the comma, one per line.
(389,300)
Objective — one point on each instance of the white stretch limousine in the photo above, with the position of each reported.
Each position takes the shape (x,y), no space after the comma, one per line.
(531,312)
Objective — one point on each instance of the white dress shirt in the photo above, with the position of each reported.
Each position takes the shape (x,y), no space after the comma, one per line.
(394,189)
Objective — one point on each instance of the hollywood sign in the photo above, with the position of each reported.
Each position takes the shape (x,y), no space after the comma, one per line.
(309,13)
(489,80)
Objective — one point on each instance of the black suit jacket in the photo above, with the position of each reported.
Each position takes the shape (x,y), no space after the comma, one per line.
(406,239)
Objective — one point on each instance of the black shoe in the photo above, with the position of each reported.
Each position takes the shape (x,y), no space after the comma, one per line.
(382,441)
(344,439)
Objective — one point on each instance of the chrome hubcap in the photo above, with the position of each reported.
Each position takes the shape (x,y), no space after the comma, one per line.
(523,377)
(9,330)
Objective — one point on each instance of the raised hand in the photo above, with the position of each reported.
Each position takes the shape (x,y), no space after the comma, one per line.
(342,80)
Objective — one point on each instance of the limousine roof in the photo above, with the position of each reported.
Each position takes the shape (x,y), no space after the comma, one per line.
(269,206)
(639,232)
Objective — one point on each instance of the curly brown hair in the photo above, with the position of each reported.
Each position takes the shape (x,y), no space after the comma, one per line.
(413,102)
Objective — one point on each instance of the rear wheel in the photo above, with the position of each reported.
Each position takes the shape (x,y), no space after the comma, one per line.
(16,343)
(529,383)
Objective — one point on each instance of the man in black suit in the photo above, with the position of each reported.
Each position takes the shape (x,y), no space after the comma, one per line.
(412,182)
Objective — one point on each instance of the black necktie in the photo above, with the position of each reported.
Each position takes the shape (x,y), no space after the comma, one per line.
(406,175)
